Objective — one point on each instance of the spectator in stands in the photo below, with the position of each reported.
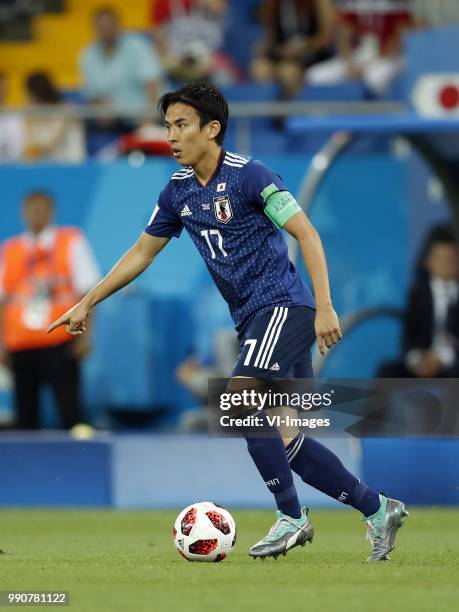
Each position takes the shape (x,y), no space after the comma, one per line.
(120,71)
(189,35)
(369,45)
(42,272)
(431,324)
(11,129)
(435,13)
(56,136)
(298,34)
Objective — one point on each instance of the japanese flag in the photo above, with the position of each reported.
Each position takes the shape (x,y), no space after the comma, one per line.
(437,95)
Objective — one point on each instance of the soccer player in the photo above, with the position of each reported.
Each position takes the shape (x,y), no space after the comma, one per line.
(233,208)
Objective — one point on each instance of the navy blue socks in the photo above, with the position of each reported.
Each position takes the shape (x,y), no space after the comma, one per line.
(320,468)
(315,464)
(270,457)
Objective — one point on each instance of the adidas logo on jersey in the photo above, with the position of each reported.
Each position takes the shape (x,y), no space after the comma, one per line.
(275,367)
(185,211)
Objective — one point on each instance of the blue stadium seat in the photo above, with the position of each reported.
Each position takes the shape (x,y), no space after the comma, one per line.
(73,96)
(396,90)
(344,92)
(123,354)
(264,138)
(243,30)
(250,92)
(96,141)
(139,340)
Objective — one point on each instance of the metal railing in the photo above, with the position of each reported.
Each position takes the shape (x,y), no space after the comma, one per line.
(238,110)
(242,114)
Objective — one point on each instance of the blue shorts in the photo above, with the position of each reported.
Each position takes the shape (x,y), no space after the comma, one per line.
(277,344)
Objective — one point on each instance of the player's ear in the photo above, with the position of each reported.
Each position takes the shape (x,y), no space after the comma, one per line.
(213,129)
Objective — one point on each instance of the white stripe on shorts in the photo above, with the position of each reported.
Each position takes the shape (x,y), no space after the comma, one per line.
(265,337)
(271,345)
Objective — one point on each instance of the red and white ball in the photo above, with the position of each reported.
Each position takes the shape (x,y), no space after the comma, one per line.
(204,532)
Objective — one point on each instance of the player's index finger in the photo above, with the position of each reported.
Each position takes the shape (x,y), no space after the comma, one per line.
(53,326)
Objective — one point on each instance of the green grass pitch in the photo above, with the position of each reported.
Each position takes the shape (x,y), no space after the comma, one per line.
(126,561)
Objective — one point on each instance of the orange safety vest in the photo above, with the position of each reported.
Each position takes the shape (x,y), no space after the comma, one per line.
(23,267)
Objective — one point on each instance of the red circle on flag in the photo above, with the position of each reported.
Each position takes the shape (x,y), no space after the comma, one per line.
(449,97)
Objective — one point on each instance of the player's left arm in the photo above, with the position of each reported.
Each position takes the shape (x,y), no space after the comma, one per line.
(267,190)
(326,322)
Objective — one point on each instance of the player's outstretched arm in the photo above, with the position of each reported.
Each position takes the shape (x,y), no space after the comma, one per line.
(131,264)
(326,323)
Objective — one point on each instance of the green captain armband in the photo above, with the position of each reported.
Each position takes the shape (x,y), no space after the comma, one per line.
(280,206)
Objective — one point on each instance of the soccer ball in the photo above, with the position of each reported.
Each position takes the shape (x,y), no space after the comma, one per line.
(204,532)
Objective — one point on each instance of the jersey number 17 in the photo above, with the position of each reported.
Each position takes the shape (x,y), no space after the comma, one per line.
(219,241)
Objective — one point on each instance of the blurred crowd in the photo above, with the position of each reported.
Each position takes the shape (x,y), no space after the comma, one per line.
(295,44)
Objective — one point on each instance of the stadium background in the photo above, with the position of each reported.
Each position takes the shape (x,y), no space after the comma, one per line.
(372,208)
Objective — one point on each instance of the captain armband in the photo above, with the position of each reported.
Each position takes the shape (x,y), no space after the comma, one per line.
(280,206)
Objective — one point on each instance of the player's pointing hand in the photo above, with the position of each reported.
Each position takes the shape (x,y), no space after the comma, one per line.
(327,328)
(74,319)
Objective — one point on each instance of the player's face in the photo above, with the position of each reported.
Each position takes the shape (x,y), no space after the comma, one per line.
(442,261)
(189,142)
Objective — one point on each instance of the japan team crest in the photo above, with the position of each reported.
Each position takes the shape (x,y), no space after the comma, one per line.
(222,209)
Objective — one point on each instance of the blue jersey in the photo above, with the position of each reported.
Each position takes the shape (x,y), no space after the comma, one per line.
(245,253)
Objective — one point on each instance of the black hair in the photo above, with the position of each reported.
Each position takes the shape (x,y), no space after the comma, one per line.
(207,100)
(42,87)
(443,234)
(42,194)
(439,234)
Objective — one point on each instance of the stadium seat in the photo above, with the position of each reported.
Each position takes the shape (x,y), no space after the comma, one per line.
(73,96)
(250,92)
(243,26)
(396,90)
(96,141)
(264,138)
(47,28)
(118,345)
(344,92)
(138,342)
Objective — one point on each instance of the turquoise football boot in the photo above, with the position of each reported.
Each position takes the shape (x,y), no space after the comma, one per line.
(382,527)
(285,534)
